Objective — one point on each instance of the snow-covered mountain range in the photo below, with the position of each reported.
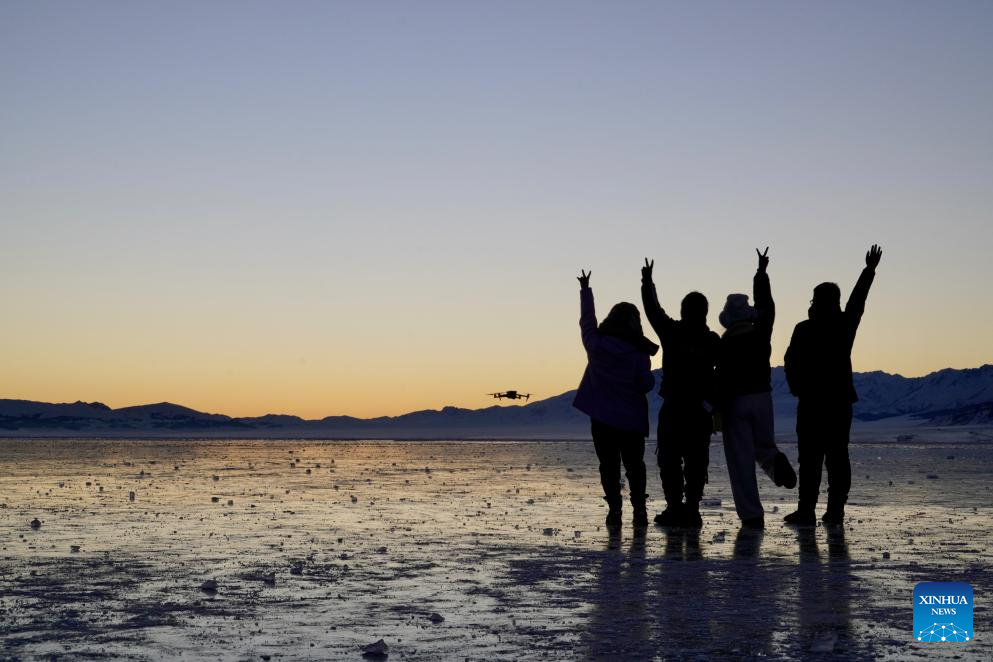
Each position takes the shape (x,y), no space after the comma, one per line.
(945,398)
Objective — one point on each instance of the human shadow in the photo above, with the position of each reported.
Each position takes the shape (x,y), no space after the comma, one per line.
(683,596)
(684,604)
(750,611)
(680,597)
(825,585)
(619,625)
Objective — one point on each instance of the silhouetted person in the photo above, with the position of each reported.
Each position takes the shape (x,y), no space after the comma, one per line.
(744,382)
(612,393)
(819,372)
(689,353)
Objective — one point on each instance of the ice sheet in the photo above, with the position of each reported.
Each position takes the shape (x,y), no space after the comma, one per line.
(319,549)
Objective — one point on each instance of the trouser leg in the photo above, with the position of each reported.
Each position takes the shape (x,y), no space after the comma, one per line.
(739,451)
(810,448)
(764,431)
(696,454)
(669,458)
(633,456)
(609,454)
(839,467)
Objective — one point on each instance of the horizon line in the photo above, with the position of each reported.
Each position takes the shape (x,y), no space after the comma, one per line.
(416,411)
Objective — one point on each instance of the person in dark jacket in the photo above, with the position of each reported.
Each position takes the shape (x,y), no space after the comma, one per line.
(612,393)
(744,383)
(819,373)
(689,353)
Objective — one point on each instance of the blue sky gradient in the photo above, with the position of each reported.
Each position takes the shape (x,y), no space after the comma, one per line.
(368,208)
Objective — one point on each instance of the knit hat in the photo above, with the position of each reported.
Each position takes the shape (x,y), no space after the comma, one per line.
(736,309)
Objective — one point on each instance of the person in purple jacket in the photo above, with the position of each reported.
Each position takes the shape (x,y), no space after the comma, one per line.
(613,394)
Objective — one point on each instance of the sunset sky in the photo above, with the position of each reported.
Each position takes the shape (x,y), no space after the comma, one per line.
(368,208)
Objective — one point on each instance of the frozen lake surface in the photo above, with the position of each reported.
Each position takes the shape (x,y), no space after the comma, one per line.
(464,550)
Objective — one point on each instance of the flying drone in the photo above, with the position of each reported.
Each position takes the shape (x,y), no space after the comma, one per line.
(511,395)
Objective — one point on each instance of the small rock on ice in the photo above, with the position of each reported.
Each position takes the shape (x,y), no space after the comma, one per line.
(376,650)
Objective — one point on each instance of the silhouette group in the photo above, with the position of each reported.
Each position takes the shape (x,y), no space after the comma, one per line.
(721,383)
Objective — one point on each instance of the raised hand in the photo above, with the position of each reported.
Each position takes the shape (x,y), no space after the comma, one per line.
(584,279)
(873,256)
(763,258)
(646,271)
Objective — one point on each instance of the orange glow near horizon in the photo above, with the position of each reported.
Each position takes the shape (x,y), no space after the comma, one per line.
(312,381)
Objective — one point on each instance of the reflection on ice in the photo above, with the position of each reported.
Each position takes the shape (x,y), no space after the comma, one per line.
(238,550)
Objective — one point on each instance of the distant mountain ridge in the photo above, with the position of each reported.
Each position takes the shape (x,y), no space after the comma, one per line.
(948,397)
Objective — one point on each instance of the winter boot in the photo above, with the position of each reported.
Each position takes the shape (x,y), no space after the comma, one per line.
(671,516)
(834,516)
(640,517)
(614,512)
(757,522)
(782,473)
(691,516)
(801,517)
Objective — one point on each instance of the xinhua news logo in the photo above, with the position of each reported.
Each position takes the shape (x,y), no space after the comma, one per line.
(943,612)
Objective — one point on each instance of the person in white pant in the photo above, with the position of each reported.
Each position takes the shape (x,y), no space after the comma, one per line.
(744,382)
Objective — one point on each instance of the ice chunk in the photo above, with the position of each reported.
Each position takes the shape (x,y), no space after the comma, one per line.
(377,650)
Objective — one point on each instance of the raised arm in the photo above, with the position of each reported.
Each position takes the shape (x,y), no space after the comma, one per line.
(657,317)
(587,312)
(856,301)
(762,293)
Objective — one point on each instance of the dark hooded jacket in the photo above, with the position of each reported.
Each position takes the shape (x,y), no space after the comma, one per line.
(618,374)
(743,358)
(689,352)
(819,359)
